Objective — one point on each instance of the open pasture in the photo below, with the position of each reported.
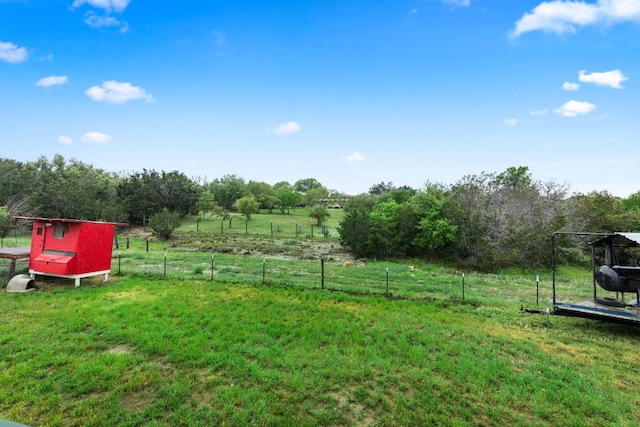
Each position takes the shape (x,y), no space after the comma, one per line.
(255,340)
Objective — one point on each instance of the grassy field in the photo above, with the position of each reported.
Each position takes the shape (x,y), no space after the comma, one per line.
(255,340)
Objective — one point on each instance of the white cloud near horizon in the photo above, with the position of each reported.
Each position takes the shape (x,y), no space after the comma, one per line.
(613,78)
(542,112)
(511,122)
(575,108)
(570,86)
(113,92)
(12,54)
(286,129)
(95,138)
(64,140)
(47,82)
(355,157)
(106,5)
(560,17)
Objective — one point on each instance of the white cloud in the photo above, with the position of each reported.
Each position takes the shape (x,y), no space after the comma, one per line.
(95,138)
(52,81)
(64,140)
(114,92)
(612,78)
(286,128)
(219,38)
(560,17)
(355,157)
(458,2)
(570,86)
(539,112)
(575,108)
(13,54)
(95,21)
(414,11)
(107,5)
(511,122)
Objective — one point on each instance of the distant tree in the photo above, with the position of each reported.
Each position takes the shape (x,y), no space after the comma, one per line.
(206,203)
(354,230)
(315,196)
(632,202)
(71,189)
(400,195)
(435,230)
(163,223)
(148,192)
(264,194)
(381,188)
(320,213)
(306,184)
(270,202)
(287,198)
(514,177)
(5,224)
(248,205)
(228,190)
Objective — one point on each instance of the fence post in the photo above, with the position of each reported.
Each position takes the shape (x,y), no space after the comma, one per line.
(387,270)
(312,231)
(212,266)
(322,272)
(537,290)
(147,246)
(264,269)
(462,286)
(165,264)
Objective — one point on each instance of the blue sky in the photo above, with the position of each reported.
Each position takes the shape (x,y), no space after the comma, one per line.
(348,92)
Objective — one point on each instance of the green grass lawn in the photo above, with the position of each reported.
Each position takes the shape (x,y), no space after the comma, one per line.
(188,335)
(142,351)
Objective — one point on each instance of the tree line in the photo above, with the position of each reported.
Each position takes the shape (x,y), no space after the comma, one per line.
(490,220)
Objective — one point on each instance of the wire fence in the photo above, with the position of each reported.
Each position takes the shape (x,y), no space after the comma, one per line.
(389,279)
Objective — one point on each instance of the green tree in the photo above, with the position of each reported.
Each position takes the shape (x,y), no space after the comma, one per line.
(148,192)
(306,184)
(72,189)
(319,213)
(206,203)
(248,205)
(228,190)
(315,196)
(287,198)
(163,223)
(354,231)
(435,229)
(5,224)
(381,188)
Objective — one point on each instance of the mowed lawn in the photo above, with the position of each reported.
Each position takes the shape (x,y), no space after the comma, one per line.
(143,351)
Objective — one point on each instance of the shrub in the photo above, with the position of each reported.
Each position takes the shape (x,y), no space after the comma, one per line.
(163,223)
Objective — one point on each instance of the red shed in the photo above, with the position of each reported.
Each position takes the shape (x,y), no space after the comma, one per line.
(71,248)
